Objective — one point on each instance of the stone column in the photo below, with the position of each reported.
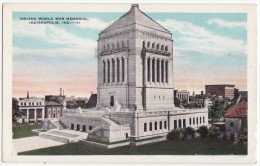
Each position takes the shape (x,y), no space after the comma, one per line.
(116,70)
(126,66)
(119,69)
(110,64)
(43,114)
(27,115)
(150,72)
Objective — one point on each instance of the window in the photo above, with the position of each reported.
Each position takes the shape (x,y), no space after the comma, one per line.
(123,70)
(175,124)
(179,123)
(148,44)
(166,48)
(151,126)
(123,44)
(78,127)
(160,124)
(203,119)
(108,48)
(108,71)
(72,126)
(25,104)
(162,71)
(113,70)
(90,127)
(104,72)
(197,119)
(193,120)
(231,124)
(118,68)
(153,45)
(184,123)
(155,125)
(165,124)
(158,46)
(153,70)
(104,49)
(200,120)
(158,70)
(145,127)
(113,46)
(190,121)
(29,103)
(143,44)
(148,70)
(39,113)
(84,128)
(21,103)
(162,47)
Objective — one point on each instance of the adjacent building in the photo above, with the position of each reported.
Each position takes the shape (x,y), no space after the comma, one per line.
(32,109)
(183,96)
(54,105)
(236,117)
(224,90)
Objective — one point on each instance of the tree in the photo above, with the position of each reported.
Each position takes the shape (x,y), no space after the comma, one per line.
(203,130)
(217,110)
(15,110)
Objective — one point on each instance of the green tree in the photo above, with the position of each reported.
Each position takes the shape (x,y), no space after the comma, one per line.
(15,110)
(217,110)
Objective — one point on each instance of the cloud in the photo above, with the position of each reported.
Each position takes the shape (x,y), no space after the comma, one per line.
(198,39)
(67,44)
(94,23)
(227,24)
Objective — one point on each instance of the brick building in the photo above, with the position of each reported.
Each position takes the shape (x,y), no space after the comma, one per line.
(224,90)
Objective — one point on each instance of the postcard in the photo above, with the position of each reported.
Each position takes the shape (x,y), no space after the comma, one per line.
(129,83)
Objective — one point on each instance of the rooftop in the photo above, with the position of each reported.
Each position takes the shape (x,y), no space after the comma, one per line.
(135,16)
(237,111)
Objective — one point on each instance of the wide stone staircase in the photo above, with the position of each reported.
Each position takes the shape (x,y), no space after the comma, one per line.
(65,136)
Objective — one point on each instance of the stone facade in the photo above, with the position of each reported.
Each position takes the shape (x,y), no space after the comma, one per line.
(32,109)
(135,97)
(135,63)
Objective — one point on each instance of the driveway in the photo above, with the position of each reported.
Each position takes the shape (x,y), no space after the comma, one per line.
(32,143)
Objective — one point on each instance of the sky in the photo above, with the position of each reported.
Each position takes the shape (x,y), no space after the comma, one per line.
(209,48)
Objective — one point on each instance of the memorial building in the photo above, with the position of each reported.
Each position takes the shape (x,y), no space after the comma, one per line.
(135,98)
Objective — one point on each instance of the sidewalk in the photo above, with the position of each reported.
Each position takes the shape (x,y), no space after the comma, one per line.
(32,143)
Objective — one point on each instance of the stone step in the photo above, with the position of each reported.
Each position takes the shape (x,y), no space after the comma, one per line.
(63,134)
(54,137)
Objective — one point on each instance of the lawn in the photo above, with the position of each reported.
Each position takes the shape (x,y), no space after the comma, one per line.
(198,147)
(25,131)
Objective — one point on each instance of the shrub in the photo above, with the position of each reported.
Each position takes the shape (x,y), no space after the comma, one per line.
(243,137)
(189,132)
(203,131)
(175,134)
(214,133)
(228,137)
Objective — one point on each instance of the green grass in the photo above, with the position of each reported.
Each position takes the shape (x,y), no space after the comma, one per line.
(25,131)
(190,147)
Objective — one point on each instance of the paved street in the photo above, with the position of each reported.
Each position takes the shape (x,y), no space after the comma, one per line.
(31,143)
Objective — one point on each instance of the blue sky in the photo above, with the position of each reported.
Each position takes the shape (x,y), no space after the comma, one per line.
(209,48)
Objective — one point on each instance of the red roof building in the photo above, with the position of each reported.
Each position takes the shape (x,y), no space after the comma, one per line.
(237,111)
(236,117)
